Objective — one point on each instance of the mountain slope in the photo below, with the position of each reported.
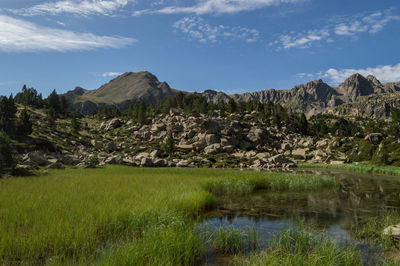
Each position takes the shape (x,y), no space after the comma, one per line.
(121,91)
(311,98)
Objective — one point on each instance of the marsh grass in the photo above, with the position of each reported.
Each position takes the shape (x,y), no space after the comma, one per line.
(371,229)
(118,215)
(297,246)
(363,168)
(253,181)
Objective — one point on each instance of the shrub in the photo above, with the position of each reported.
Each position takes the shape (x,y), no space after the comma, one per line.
(7,160)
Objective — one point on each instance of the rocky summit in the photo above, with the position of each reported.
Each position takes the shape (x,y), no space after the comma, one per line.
(311,98)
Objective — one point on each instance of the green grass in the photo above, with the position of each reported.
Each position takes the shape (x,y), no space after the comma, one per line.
(237,185)
(363,168)
(298,246)
(116,215)
(371,229)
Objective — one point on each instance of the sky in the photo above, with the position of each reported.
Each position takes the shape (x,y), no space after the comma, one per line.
(233,46)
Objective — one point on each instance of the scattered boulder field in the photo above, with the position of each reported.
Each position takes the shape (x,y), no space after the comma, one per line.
(233,141)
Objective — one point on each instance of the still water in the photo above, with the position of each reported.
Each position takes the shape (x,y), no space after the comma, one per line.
(360,196)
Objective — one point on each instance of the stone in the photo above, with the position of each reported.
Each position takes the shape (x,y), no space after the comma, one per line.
(374,138)
(154,154)
(38,158)
(300,153)
(227,149)
(280,160)
(336,162)
(146,162)
(212,139)
(322,143)
(212,149)
(286,146)
(186,147)
(393,231)
(183,163)
(112,124)
(210,126)
(160,163)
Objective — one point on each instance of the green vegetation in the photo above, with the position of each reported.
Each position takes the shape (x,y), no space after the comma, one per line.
(236,184)
(7,159)
(371,229)
(115,215)
(371,169)
(298,246)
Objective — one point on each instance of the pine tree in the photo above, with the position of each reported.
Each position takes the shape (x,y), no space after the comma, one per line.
(75,124)
(7,160)
(24,123)
(51,117)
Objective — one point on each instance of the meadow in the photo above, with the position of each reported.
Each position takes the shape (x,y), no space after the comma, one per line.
(120,215)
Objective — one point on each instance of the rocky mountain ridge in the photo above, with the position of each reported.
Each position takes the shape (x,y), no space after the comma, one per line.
(311,98)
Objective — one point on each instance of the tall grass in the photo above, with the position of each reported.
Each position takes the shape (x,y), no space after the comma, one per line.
(117,215)
(371,229)
(363,168)
(297,246)
(235,185)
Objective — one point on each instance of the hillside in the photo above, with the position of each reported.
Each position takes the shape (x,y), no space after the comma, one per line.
(311,98)
(123,90)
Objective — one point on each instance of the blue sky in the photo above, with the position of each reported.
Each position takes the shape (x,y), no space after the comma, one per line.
(229,45)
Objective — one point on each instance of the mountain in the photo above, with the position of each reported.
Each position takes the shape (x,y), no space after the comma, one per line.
(121,91)
(311,98)
(316,96)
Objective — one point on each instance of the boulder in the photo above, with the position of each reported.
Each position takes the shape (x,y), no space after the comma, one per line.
(146,162)
(160,163)
(187,147)
(110,125)
(154,154)
(374,138)
(212,139)
(210,126)
(393,231)
(36,157)
(286,146)
(336,162)
(300,153)
(213,149)
(183,163)
(281,160)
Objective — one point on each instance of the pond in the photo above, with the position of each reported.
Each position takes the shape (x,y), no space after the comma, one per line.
(360,196)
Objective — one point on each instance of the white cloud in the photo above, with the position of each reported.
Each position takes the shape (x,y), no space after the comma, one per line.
(111,74)
(198,29)
(216,7)
(388,73)
(18,35)
(302,40)
(81,7)
(372,23)
(353,26)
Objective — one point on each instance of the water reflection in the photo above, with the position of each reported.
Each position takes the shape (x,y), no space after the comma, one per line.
(360,196)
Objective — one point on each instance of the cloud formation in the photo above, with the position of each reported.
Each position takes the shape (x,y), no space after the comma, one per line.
(111,74)
(216,7)
(81,7)
(18,35)
(386,73)
(353,26)
(198,29)
(302,40)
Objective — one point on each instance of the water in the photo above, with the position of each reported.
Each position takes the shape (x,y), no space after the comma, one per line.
(360,196)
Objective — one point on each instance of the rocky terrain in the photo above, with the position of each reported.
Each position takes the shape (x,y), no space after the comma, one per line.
(311,98)
(234,141)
